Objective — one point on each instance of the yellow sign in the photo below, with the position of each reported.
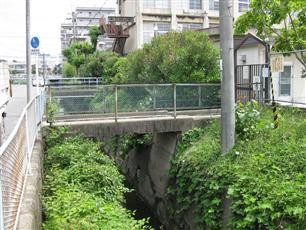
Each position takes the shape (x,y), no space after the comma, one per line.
(277,63)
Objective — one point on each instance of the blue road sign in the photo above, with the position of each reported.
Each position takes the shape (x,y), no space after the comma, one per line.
(34,42)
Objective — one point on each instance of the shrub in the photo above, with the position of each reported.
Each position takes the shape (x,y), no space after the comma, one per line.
(82,188)
(73,209)
(175,57)
(248,121)
(69,70)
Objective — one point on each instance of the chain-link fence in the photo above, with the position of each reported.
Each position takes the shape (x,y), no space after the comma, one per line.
(117,99)
(15,155)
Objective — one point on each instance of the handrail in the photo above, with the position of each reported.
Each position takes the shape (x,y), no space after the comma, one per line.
(15,153)
(15,129)
(118,98)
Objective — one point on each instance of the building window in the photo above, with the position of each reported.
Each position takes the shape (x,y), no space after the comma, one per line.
(243,5)
(159,4)
(214,5)
(195,4)
(189,4)
(285,81)
(190,26)
(148,30)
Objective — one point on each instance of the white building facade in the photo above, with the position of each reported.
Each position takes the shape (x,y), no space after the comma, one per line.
(160,16)
(77,27)
(290,85)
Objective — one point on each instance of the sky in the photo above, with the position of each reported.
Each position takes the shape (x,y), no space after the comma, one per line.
(46,18)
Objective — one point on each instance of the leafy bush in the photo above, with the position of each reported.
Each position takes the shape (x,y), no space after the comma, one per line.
(248,122)
(73,209)
(264,177)
(82,188)
(69,70)
(174,57)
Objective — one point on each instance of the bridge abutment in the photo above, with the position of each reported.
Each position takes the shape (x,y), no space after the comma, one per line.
(147,169)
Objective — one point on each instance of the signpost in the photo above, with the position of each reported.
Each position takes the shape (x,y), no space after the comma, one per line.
(35,51)
(277,63)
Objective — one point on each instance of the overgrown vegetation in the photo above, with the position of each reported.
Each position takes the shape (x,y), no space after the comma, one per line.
(174,57)
(264,175)
(126,142)
(82,188)
(188,56)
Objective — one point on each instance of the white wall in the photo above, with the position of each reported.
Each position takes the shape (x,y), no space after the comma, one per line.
(298,84)
(255,54)
(131,42)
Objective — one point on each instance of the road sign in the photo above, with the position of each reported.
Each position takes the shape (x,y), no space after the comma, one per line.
(34,51)
(34,42)
(277,63)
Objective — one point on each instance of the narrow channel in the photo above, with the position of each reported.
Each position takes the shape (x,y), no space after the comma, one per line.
(135,203)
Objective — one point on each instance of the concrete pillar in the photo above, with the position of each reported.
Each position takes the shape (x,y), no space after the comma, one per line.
(139,23)
(173,15)
(161,154)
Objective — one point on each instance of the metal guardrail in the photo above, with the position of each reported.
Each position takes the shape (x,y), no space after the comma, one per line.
(118,99)
(53,81)
(15,155)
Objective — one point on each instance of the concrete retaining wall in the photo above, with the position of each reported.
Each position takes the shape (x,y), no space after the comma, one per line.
(31,209)
(147,169)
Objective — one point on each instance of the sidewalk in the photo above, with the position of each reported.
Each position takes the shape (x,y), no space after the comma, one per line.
(15,107)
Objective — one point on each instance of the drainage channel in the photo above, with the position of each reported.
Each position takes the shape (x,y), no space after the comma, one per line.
(135,203)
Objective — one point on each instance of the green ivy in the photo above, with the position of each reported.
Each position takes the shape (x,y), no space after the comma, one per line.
(264,175)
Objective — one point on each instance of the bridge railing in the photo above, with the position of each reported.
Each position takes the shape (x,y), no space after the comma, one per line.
(133,98)
(59,81)
(15,155)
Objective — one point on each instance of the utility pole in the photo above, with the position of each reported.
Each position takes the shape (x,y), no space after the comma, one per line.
(44,67)
(227,81)
(73,24)
(28,51)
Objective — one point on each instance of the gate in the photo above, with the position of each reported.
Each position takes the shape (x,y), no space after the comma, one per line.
(252,83)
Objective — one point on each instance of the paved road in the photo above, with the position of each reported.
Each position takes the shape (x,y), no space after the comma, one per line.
(15,106)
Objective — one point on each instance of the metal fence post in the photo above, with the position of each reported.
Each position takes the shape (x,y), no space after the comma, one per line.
(199,94)
(116,103)
(41,105)
(28,143)
(154,97)
(174,100)
(1,202)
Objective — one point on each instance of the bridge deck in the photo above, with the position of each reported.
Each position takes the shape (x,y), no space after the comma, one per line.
(105,126)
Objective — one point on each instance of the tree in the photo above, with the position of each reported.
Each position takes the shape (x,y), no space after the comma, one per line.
(100,64)
(266,16)
(68,70)
(175,57)
(94,33)
(77,54)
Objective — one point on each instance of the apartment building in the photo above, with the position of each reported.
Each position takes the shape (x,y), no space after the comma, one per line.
(160,16)
(78,25)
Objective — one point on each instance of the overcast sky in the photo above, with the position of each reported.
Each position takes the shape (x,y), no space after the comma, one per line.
(46,18)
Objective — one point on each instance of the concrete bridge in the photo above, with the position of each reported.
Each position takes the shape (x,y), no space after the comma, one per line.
(103,126)
(103,111)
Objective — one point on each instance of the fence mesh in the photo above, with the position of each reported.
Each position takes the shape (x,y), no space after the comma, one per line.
(134,98)
(15,156)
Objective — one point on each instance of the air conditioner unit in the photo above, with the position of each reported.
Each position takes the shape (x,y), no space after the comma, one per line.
(243,58)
